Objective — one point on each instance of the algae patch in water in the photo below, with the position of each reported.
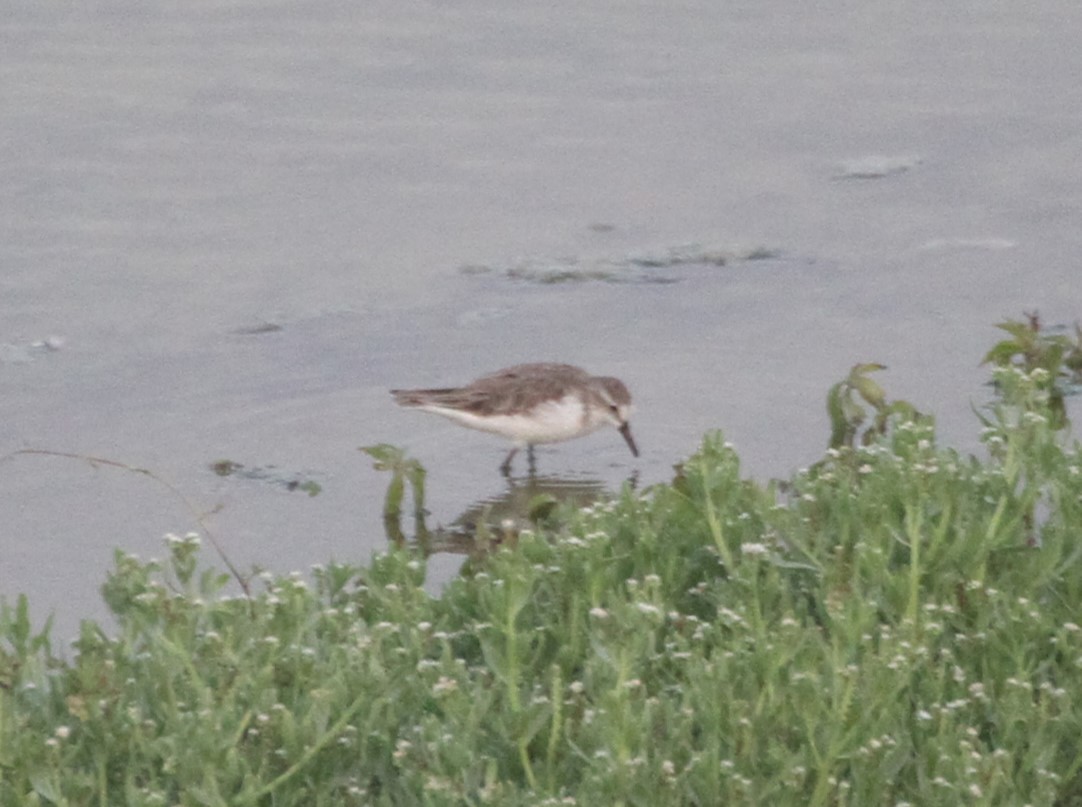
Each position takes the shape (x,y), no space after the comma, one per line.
(651,266)
(289,480)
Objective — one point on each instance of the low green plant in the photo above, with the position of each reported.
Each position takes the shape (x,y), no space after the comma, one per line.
(848,403)
(404,471)
(1053,360)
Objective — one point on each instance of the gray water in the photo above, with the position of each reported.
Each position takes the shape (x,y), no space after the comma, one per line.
(228,228)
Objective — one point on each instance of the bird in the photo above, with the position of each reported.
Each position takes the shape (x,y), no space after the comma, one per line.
(528,404)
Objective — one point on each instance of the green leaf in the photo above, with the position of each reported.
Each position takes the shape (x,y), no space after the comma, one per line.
(1022,331)
(387,456)
(839,427)
(864,369)
(392,502)
(870,391)
(1002,353)
(45,785)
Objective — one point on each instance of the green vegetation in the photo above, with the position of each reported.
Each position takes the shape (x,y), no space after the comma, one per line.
(900,624)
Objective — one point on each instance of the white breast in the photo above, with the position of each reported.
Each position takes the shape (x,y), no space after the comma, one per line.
(548,422)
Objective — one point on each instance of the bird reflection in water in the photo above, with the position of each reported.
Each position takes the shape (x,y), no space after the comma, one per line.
(497,520)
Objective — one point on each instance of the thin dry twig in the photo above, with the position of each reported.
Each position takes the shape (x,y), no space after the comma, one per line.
(200,517)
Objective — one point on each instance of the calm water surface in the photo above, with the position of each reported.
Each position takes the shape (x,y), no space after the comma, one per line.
(176,177)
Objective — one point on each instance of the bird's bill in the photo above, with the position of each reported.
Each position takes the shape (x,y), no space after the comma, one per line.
(625,430)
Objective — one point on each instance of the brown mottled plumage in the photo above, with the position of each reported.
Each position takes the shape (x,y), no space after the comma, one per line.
(531,403)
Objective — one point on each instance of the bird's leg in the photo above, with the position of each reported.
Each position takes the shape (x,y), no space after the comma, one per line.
(530,456)
(505,469)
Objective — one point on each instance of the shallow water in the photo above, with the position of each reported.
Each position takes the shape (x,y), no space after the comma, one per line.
(179,177)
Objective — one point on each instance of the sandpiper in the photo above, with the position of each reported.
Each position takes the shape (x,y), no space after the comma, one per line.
(530,404)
